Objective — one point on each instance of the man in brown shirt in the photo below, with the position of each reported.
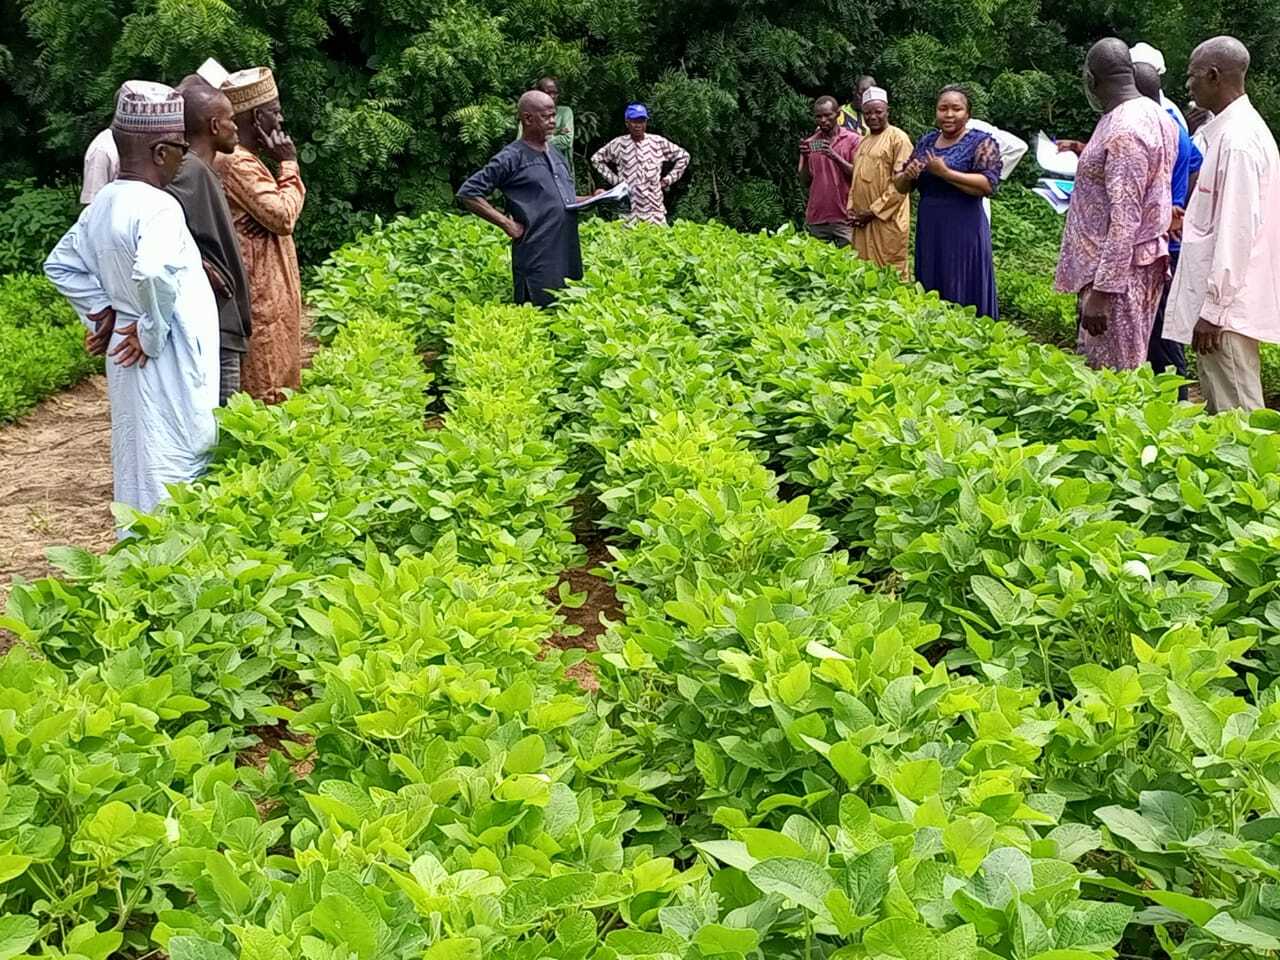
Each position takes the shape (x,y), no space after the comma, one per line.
(265,209)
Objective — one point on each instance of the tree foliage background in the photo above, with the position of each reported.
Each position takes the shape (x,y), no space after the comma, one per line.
(393,101)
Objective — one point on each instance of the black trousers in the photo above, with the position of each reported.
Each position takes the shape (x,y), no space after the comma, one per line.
(1164,354)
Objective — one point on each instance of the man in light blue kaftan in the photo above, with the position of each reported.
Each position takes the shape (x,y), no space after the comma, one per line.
(131,261)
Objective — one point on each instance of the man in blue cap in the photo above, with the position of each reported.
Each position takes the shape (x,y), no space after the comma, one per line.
(638,158)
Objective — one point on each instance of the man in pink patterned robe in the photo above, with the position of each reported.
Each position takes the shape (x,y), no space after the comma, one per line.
(1115,248)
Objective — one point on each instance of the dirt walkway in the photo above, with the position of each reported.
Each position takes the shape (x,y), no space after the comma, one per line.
(55,481)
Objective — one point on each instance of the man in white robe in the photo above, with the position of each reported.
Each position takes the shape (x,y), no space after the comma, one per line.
(133,273)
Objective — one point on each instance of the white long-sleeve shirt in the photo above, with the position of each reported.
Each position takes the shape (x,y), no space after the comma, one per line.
(1229,273)
(131,250)
(101,165)
(1012,150)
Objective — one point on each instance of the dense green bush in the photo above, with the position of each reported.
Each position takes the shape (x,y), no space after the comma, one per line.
(41,344)
(393,101)
(32,220)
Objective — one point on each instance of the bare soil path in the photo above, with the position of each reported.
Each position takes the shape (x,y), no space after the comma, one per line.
(55,481)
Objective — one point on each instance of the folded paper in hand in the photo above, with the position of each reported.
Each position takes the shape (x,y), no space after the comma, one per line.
(620,192)
(1051,160)
(1056,192)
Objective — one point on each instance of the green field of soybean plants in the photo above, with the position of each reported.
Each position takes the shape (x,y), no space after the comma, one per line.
(933,643)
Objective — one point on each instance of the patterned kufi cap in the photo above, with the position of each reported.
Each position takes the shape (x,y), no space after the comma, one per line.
(146,107)
(875,93)
(250,88)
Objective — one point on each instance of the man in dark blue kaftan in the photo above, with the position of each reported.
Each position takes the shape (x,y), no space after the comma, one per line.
(534,178)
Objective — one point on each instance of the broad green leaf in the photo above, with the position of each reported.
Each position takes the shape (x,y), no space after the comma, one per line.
(639,943)
(901,938)
(526,756)
(184,947)
(968,839)
(714,939)
(12,865)
(17,933)
(918,780)
(801,881)
(1201,724)
(1030,935)
(88,942)
(1132,826)
(455,948)
(1092,925)
(233,892)
(868,878)
(1172,811)
(998,599)
(1074,840)
(1259,933)
(344,924)
(794,684)
(731,852)
(766,844)
(850,762)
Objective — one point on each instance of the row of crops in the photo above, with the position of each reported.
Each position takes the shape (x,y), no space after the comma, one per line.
(41,344)
(935,643)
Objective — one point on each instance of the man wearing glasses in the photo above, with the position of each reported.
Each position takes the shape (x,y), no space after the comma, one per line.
(265,208)
(133,273)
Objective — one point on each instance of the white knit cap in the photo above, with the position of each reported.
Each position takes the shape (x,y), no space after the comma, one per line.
(1146,53)
(875,93)
(146,107)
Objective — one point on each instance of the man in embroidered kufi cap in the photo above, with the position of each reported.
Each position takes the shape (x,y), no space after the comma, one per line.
(133,273)
(265,208)
(881,216)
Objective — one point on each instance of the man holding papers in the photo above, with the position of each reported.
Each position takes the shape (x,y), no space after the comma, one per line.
(534,178)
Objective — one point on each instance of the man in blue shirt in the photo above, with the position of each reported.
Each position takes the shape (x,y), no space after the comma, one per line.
(1161,353)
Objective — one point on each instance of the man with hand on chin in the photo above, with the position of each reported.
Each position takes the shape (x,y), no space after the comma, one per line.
(534,178)
(265,208)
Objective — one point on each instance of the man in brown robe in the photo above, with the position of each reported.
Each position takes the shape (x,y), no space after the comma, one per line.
(265,209)
(881,215)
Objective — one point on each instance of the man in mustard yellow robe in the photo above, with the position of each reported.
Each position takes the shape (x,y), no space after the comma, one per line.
(881,215)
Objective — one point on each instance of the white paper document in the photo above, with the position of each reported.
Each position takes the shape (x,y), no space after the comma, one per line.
(1062,164)
(619,192)
(1059,204)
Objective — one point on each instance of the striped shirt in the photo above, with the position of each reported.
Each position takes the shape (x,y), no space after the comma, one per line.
(639,163)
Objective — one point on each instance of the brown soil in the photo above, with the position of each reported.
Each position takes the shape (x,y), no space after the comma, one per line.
(601,602)
(55,481)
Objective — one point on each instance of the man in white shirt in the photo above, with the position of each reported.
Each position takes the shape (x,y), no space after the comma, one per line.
(101,165)
(1226,294)
(1146,53)
(132,271)
(1012,150)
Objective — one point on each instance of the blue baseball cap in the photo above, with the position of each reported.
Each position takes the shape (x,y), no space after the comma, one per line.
(636,111)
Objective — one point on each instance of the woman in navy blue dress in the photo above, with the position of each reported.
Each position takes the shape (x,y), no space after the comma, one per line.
(954,169)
